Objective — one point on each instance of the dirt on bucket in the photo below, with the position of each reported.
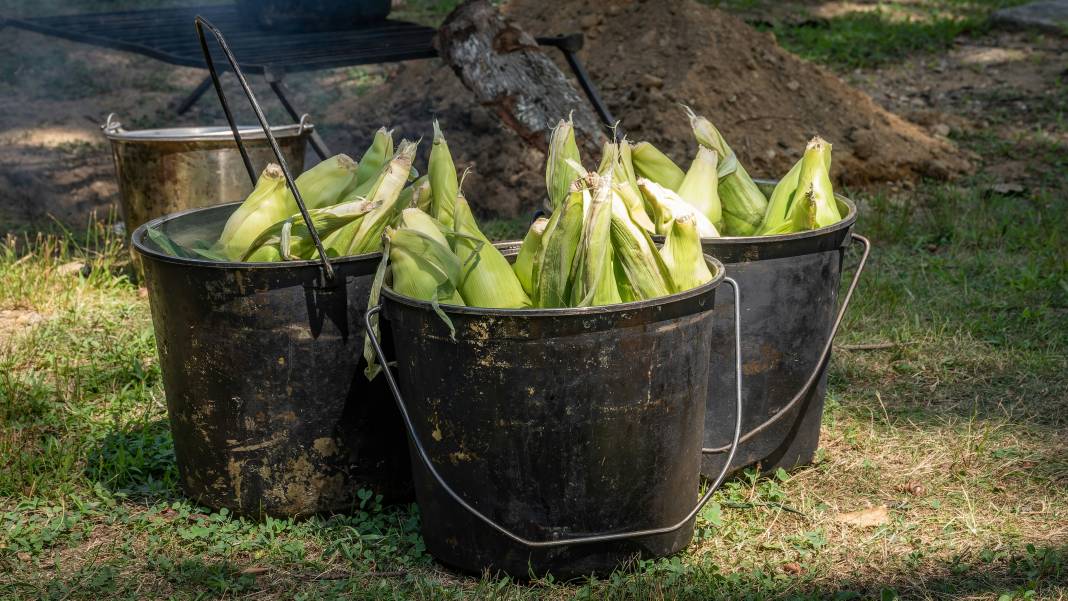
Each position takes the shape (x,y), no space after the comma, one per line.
(647,58)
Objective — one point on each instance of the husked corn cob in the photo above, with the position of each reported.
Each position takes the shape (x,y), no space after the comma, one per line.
(528,252)
(666,206)
(269,203)
(552,270)
(487,279)
(742,201)
(683,256)
(700,187)
(642,273)
(559,167)
(654,165)
(593,258)
(443,183)
(326,183)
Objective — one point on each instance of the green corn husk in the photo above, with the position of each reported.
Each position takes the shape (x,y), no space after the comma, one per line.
(559,169)
(423,268)
(366,236)
(487,279)
(775,220)
(528,252)
(612,162)
(642,274)
(654,165)
(700,186)
(290,240)
(443,183)
(421,194)
(743,203)
(269,203)
(666,206)
(376,155)
(813,205)
(326,183)
(593,259)
(552,270)
(408,194)
(683,255)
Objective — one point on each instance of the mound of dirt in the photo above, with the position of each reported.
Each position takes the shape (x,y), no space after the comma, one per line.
(647,58)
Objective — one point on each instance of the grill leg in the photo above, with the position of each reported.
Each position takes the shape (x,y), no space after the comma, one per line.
(193,96)
(280,90)
(588,87)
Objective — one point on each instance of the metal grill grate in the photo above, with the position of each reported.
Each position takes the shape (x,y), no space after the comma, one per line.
(167,35)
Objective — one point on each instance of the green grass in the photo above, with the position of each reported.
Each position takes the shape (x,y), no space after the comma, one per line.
(971,286)
(966,291)
(890,32)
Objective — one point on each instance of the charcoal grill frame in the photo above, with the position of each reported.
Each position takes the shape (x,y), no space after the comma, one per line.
(162,34)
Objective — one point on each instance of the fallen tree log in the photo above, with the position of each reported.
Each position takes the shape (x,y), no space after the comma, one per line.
(512,76)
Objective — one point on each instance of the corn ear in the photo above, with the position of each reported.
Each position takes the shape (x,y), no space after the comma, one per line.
(814,205)
(326,183)
(592,260)
(528,252)
(700,187)
(443,183)
(612,163)
(666,206)
(421,194)
(422,267)
(775,217)
(683,255)
(552,270)
(487,279)
(269,203)
(743,203)
(376,155)
(559,171)
(642,273)
(654,165)
(366,236)
(290,239)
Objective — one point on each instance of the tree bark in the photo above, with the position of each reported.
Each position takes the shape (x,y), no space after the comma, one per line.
(511,75)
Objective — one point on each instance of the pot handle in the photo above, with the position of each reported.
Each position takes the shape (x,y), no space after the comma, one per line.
(824,357)
(201,24)
(584,540)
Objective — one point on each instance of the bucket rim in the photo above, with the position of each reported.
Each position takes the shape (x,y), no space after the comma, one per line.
(847,221)
(718,276)
(208,133)
(137,239)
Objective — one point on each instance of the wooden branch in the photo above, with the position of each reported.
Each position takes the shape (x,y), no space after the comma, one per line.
(510,74)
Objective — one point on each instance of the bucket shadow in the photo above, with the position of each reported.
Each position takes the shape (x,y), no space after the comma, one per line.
(137,461)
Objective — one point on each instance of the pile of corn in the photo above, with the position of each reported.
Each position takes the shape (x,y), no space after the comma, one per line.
(350,204)
(716,190)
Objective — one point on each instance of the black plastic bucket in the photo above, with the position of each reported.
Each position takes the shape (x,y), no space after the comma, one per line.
(269,407)
(563,441)
(788,322)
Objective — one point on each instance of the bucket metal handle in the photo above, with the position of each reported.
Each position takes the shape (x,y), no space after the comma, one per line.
(201,24)
(584,540)
(813,377)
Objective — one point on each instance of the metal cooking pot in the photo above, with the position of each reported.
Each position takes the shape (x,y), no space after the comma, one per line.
(164,171)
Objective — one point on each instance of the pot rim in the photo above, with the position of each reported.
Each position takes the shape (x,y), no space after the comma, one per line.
(137,239)
(210,133)
(847,221)
(718,275)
